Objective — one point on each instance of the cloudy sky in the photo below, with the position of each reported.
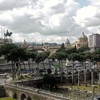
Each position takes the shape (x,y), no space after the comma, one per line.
(49,20)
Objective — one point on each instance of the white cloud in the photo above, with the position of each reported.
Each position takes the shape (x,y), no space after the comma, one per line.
(11,4)
(89,16)
(94,2)
(53,19)
(37,37)
(84,14)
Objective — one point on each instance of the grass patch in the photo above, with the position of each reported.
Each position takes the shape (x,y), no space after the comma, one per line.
(80,92)
(6,98)
(20,77)
(84,88)
(38,98)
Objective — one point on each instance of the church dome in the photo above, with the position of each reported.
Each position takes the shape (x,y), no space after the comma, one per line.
(83,36)
(67,42)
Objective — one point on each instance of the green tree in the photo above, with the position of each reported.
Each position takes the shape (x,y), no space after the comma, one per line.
(49,80)
(88,56)
(97,51)
(76,56)
(73,57)
(9,51)
(96,57)
(6,48)
(84,48)
(21,57)
(62,46)
(33,56)
(40,57)
(71,50)
(60,56)
(28,56)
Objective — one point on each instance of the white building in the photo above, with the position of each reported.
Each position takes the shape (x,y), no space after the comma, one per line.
(94,41)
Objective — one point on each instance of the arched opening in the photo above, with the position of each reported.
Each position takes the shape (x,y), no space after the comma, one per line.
(23,96)
(15,95)
(29,98)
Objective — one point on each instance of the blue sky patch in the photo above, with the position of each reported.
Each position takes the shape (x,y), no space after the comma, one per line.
(83,2)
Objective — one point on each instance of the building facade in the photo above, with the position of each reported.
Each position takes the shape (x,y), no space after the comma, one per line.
(94,41)
(82,41)
(67,44)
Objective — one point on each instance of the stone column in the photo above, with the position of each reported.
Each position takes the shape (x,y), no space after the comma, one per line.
(85,73)
(92,77)
(78,77)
